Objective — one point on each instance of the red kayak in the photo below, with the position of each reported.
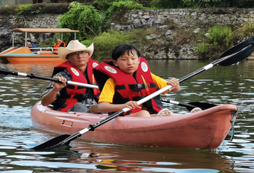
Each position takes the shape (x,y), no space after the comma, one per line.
(202,130)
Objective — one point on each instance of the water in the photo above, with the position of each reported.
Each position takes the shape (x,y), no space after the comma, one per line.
(219,85)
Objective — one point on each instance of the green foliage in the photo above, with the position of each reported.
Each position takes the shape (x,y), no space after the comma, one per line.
(53,8)
(220,35)
(202,48)
(87,42)
(220,38)
(107,41)
(46,8)
(190,3)
(118,7)
(103,5)
(167,4)
(40,8)
(121,6)
(125,5)
(48,42)
(6,10)
(246,30)
(218,3)
(24,9)
(84,18)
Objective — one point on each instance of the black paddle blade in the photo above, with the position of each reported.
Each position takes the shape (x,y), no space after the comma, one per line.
(51,143)
(66,139)
(190,105)
(237,53)
(201,105)
(57,141)
(4,68)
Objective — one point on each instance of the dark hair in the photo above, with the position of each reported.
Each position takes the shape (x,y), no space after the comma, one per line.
(121,49)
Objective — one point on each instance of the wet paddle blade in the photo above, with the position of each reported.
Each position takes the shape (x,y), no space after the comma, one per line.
(4,68)
(190,105)
(59,141)
(201,105)
(53,142)
(66,139)
(239,52)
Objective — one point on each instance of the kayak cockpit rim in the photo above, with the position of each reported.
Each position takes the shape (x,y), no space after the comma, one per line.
(41,30)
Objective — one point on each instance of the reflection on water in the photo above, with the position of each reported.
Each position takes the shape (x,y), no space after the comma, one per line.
(87,157)
(219,85)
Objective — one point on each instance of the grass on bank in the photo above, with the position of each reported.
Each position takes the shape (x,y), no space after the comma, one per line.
(211,46)
(105,42)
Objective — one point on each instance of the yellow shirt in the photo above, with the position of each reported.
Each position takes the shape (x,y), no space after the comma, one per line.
(108,90)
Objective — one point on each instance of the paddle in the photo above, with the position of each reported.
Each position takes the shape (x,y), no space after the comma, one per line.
(5,71)
(190,105)
(233,55)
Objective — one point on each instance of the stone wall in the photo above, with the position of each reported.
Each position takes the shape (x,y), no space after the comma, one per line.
(8,22)
(193,19)
(33,21)
(183,17)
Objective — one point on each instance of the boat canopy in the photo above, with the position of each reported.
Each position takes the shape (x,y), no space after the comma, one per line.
(42,30)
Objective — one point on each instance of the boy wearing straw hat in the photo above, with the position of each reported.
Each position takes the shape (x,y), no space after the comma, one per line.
(78,67)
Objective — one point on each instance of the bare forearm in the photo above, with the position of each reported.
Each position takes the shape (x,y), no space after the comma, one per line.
(49,98)
(107,107)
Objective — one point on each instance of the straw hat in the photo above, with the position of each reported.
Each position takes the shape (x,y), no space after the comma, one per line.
(74,46)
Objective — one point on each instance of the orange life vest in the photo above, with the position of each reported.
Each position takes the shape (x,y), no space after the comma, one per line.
(128,87)
(72,94)
(58,45)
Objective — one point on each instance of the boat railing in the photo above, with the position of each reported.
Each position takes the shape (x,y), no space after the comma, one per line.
(38,50)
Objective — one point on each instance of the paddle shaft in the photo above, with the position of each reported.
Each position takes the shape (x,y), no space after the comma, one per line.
(211,65)
(89,128)
(6,71)
(187,105)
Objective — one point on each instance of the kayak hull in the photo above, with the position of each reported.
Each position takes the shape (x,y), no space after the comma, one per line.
(202,130)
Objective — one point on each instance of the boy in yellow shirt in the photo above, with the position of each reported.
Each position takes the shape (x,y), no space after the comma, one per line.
(126,79)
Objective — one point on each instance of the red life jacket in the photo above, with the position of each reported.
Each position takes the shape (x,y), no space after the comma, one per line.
(72,94)
(58,45)
(128,87)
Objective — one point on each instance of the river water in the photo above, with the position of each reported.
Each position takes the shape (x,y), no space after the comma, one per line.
(219,85)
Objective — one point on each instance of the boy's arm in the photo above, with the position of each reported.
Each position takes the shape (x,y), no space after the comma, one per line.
(108,107)
(161,83)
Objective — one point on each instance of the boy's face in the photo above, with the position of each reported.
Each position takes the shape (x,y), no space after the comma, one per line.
(128,63)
